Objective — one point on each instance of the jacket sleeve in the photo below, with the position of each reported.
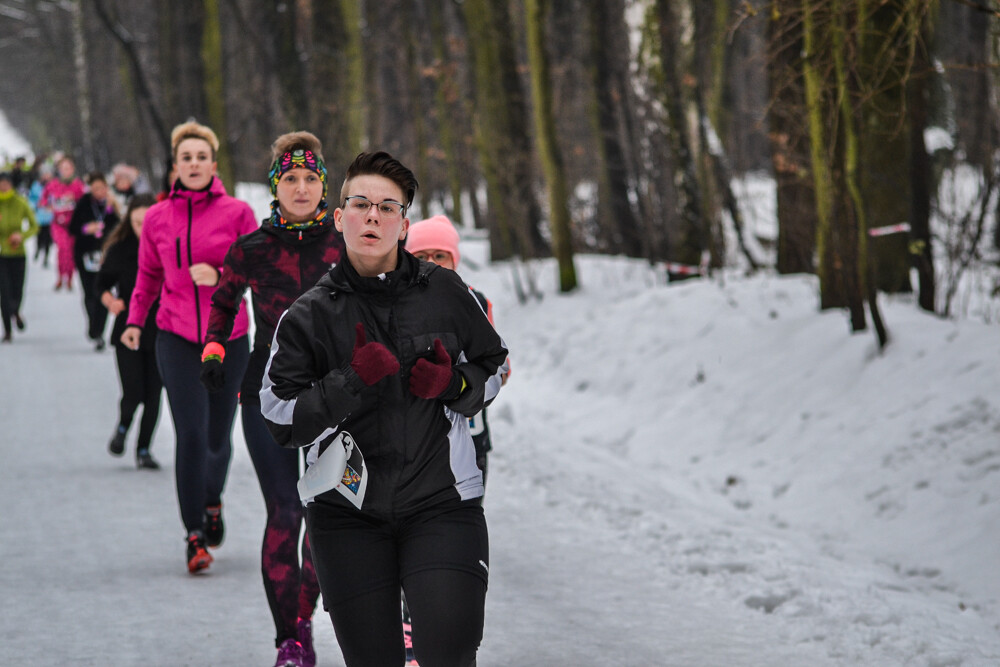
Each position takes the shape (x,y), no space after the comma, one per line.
(149,278)
(29,215)
(107,275)
(80,214)
(227,296)
(484,353)
(300,400)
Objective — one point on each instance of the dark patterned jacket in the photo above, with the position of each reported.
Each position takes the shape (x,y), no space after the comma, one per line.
(278,265)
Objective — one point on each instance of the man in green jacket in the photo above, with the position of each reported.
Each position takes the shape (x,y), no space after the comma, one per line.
(14,212)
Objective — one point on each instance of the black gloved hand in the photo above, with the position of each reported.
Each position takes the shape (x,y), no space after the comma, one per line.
(212,376)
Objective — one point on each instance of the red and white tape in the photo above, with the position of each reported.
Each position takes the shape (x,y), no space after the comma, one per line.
(682,269)
(889,229)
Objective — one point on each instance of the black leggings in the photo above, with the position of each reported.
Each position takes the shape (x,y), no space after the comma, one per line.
(43,242)
(203,421)
(439,556)
(11,288)
(97,314)
(141,383)
(290,584)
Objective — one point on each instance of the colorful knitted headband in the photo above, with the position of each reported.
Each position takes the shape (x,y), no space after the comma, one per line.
(305,159)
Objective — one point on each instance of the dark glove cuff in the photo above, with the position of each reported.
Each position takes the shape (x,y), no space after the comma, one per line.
(352,380)
(454,389)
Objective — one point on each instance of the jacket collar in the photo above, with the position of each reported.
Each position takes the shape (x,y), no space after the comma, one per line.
(214,189)
(305,235)
(409,272)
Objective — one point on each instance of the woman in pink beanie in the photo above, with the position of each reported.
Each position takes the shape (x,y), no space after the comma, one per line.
(435,240)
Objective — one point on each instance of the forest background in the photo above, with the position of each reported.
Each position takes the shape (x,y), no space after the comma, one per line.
(564,126)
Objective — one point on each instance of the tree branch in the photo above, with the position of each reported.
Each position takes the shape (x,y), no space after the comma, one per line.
(119,32)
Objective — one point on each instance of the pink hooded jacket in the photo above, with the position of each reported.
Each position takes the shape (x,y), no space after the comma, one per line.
(61,198)
(185,229)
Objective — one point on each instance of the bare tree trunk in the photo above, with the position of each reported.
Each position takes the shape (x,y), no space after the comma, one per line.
(215,90)
(829,270)
(694,232)
(548,146)
(883,70)
(852,230)
(789,141)
(615,184)
(82,84)
(920,176)
(445,94)
(502,135)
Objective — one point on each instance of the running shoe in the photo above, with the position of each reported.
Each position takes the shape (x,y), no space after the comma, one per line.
(215,528)
(198,557)
(289,654)
(305,633)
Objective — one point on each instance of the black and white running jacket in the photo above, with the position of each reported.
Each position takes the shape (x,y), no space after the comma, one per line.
(418,452)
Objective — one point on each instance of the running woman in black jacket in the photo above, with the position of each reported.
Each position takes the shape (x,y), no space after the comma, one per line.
(381,364)
(137,370)
(293,249)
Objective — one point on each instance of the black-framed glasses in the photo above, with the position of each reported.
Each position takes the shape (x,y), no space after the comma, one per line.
(387,208)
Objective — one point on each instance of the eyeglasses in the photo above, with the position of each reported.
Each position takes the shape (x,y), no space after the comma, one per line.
(361,205)
(439,257)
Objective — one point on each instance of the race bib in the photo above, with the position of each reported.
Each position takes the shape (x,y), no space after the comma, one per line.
(92,261)
(341,466)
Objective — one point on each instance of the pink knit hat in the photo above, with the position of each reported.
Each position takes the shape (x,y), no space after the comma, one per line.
(434,233)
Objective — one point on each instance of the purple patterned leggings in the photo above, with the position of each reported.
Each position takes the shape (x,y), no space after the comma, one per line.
(290,583)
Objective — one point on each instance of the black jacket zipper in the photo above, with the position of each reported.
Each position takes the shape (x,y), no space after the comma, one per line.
(197,301)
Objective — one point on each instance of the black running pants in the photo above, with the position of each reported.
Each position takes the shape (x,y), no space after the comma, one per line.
(141,384)
(439,556)
(203,421)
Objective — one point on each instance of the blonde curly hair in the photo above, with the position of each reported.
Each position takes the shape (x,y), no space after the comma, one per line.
(193,130)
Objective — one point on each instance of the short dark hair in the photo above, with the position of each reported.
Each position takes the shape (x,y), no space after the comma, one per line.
(382,164)
(94,176)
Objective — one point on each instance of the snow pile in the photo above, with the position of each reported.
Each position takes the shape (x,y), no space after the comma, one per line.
(704,473)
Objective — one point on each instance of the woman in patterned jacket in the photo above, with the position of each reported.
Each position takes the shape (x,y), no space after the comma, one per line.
(293,249)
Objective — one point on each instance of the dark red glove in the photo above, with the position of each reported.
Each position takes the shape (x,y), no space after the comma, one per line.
(372,361)
(436,379)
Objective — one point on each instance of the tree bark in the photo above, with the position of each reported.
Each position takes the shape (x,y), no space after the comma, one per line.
(545,128)
(884,138)
(920,246)
(215,90)
(615,185)
(789,142)
(694,232)
(82,84)
(502,135)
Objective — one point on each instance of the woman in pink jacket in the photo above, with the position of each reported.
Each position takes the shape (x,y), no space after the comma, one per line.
(184,242)
(60,196)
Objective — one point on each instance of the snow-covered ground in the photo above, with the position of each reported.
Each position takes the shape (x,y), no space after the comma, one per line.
(710,473)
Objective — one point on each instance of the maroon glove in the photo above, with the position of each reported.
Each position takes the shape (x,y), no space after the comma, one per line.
(436,379)
(372,361)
